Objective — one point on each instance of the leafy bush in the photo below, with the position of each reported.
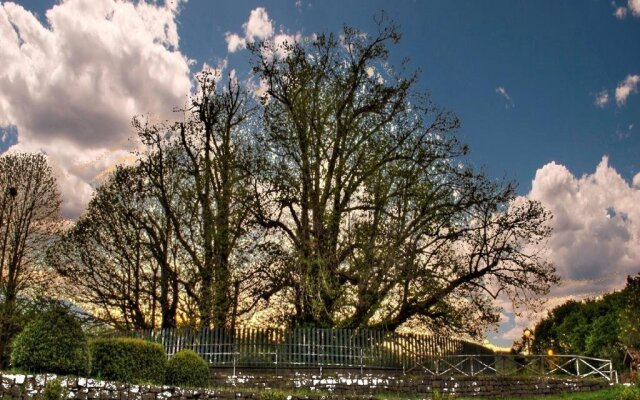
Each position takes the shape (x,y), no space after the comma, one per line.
(186,368)
(52,342)
(128,360)
(53,390)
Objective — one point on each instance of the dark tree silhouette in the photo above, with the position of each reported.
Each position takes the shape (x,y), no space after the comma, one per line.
(29,206)
(119,259)
(210,215)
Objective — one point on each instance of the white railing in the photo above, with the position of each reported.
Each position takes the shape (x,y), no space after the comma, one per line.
(509,364)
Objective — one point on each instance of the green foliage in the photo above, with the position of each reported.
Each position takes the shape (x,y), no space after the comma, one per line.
(630,315)
(629,393)
(128,360)
(53,390)
(273,395)
(436,395)
(597,327)
(52,342)
(186,368)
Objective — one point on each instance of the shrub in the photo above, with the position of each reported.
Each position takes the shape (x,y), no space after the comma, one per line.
(53,390)
(186,368)
(128,360)
(52,342)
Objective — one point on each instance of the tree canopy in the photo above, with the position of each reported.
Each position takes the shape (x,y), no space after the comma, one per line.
(338,198)
(601,327)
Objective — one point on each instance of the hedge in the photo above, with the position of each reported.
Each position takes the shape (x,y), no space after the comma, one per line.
(52,342)
(187,368)
(128,360)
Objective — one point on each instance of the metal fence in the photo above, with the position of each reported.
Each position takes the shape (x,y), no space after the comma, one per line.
(366,349)
(311,347)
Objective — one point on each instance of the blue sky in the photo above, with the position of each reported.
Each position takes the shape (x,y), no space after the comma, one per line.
(551,57)
(546,92)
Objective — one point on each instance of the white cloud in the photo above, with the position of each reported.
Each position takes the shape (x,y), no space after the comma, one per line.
(70,87)
(260,27)
(620,12)
(503,92)
(595,242)
(596,227)
(602,99)
(627,87)
(634,6)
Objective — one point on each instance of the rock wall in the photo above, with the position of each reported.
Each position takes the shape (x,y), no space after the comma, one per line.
(369,383)
(341,385)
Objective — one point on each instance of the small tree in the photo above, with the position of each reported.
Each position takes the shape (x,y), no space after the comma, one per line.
(29,206)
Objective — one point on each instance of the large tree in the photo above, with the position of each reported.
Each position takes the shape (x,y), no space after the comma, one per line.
(209,214)
(29,207)
(361,187)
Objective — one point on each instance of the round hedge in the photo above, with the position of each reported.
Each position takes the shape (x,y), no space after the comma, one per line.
(52,342)
(187,368)
(128,360)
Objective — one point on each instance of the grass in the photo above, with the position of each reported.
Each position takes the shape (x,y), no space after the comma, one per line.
(613,393)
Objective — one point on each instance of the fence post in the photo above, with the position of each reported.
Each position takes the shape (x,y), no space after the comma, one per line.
(361,361)
(578,366)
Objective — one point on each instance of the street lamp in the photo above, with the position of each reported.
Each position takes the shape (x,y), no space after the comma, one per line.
(528,337)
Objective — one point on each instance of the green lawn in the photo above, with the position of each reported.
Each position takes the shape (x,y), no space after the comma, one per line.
(615,393)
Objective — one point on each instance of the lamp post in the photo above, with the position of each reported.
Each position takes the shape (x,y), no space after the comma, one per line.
(528,337)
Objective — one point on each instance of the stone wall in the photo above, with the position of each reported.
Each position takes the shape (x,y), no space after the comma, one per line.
(369,383)
(341,385)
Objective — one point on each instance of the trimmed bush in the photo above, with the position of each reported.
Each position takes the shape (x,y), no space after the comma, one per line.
(186,368)
(52,342)
(128,360)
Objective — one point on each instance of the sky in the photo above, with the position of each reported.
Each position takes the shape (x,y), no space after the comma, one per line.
(546,91)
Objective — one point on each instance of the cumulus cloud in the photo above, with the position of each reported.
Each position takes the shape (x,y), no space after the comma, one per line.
(71,86)
(596,226)
(627,87)
(602,99)
(259,27)
(595,242)
(621,12)
(503,92)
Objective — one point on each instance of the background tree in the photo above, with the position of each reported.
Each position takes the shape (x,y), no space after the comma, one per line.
(210,216)
(120,258)
(630,315)
(599,327)
(361,189)
(29,206)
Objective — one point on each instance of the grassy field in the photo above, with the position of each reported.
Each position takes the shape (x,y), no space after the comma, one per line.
(615,393)
(607,394)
